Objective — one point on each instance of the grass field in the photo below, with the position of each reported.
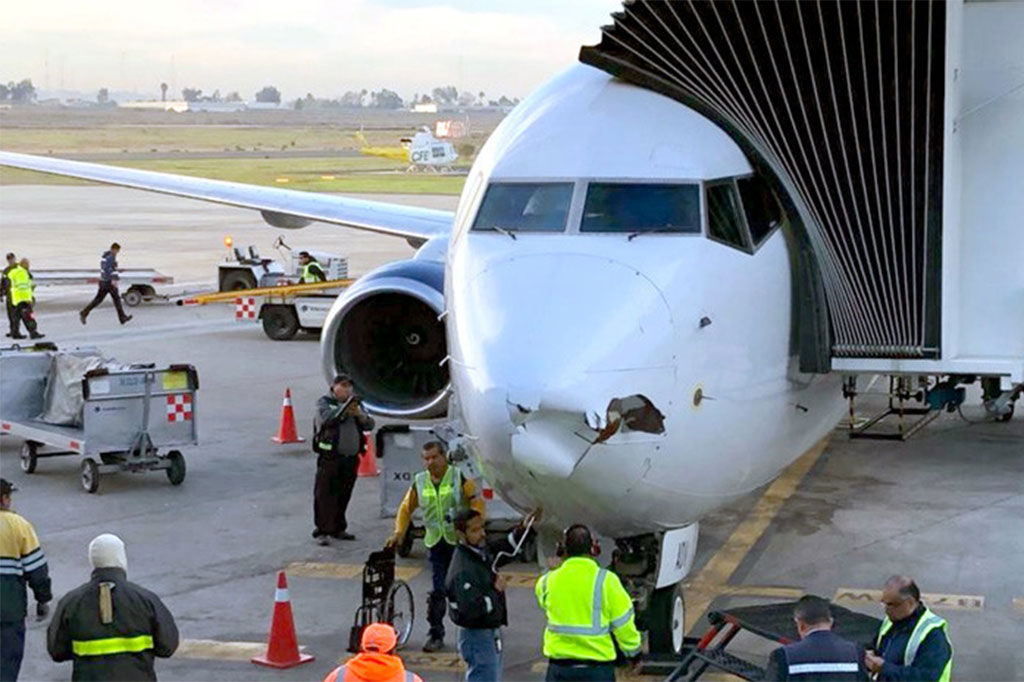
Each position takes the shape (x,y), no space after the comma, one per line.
(323,174)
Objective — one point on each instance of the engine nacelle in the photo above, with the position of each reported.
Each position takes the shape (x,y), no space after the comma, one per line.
(285,221)
(385,333)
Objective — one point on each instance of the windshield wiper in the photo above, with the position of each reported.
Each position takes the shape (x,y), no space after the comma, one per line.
(634,235)
(505,232)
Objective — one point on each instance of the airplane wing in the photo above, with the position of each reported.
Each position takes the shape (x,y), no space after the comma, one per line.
(280,205)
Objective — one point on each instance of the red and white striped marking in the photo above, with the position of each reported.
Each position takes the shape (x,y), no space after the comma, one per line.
(179,407)
(281,593)
(245,308)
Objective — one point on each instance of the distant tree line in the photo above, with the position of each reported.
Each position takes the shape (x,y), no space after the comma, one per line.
(22,92)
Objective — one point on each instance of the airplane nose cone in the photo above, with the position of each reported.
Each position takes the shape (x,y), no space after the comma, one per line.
(549,339)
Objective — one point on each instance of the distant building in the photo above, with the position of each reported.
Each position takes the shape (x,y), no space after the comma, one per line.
(170,105)
(425,108)
(217,106)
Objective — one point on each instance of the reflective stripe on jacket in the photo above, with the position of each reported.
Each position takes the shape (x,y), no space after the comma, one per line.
(926,622)
(586,606)
(21,285)
(22,563)
(439,504)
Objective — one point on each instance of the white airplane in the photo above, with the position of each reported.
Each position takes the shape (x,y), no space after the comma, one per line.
(616,343)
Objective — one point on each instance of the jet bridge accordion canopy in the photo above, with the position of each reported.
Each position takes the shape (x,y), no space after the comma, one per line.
(841,104)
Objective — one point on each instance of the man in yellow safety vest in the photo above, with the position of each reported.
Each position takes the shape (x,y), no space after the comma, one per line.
(22,295)
(912,643)
(440,491)
(586,607)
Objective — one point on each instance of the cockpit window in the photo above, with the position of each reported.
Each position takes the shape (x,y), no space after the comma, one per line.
(641,207)
(525,207)
(725,217)
(760,206)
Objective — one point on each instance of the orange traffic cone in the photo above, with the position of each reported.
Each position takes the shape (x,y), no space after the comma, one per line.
(282,646)
(368,460)
(287,433)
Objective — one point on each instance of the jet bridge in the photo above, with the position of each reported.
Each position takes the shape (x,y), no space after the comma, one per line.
(894,134)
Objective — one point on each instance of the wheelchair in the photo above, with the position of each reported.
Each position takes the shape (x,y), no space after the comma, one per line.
(385,600)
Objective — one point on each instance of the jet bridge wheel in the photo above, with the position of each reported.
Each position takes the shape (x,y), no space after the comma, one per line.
(29,456)
(666,620)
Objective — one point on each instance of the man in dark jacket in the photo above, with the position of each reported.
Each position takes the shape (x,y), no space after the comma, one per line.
(820,654)
(22,563)
(476,594)
(338,443)
(912,643)
(108,285)
(110,627)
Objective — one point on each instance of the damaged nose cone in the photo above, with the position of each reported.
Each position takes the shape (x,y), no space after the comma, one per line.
(632,413)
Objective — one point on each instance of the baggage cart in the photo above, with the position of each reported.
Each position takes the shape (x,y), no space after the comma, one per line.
(128,417)
(136,283)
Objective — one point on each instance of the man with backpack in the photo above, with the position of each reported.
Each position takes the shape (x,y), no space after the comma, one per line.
(338,441)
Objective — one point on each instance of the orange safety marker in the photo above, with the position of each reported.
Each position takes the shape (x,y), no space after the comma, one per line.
(287,433)
(368,460)
(282,645)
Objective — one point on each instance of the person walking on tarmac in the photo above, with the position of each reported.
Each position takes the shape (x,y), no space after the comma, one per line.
(820,654)
(441,492)
(912,643)
(476,594)
(107,286)
(338,442)
(376,660)
(5,293)
(23,297)
(312,271)
(22,563)
(586,607)
(109,627)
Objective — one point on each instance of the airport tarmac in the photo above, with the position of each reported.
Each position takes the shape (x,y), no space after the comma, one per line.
(946,507)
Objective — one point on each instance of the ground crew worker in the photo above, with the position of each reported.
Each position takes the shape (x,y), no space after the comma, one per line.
(476,593)
(338,442)
(441,492)
(5,293)
(23,298)
(376,660)
(108,285)
(110,627)
(912,643)
(820,654)
(312,271)
(22,563)
(586,606)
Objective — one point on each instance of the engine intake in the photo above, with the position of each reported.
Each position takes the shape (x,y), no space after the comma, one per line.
(384,332)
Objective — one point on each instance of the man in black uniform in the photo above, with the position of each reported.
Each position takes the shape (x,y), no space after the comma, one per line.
(820,654)
(107,286)
(338,443)
(912,642)
(5,292)
(110,627)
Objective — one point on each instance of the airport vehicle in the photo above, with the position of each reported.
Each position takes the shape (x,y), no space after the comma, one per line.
(422,151)
(385,600)
(636,333)
(284,315)
(139,281)
(127,417)
(248,270)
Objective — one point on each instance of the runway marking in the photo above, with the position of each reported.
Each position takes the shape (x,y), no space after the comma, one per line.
(520,578)
(211,649)
(960,602)
(337,571)
(713,579)
(418,660)
(768,591)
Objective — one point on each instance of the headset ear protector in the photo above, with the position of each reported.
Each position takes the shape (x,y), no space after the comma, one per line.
(560,548)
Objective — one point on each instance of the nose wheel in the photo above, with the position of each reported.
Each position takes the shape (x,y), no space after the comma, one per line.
(666,620)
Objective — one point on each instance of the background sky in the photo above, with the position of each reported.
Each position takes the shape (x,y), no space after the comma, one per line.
(502,47)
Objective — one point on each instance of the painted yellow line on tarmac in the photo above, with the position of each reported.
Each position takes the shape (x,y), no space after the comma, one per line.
(767,591)
(324,569)
(960,602)
(714,577)
(214,650)
(624,675)
(521,578)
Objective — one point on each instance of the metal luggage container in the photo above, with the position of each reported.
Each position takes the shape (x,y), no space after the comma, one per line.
(127,418)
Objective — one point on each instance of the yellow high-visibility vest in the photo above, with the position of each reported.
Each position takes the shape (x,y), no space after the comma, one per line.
(307,272)
(440,504)
(21,285)
(925,624)
(586,606)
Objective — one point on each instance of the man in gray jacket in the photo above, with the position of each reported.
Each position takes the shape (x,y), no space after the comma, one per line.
(107,286)
(338,442)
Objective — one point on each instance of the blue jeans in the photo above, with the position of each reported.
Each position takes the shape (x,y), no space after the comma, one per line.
(440,556)
(12,647)
(479,649)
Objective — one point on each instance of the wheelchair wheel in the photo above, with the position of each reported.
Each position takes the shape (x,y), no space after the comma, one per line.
(399,610)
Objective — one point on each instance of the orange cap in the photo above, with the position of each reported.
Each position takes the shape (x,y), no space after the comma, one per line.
(379,637)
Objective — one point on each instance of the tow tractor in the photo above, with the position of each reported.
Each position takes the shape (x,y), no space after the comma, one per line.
(243,270)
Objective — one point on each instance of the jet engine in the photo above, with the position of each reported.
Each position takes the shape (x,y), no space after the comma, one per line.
(386,333)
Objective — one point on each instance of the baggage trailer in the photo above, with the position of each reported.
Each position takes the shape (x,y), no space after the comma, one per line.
(139,281)
(127,417)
